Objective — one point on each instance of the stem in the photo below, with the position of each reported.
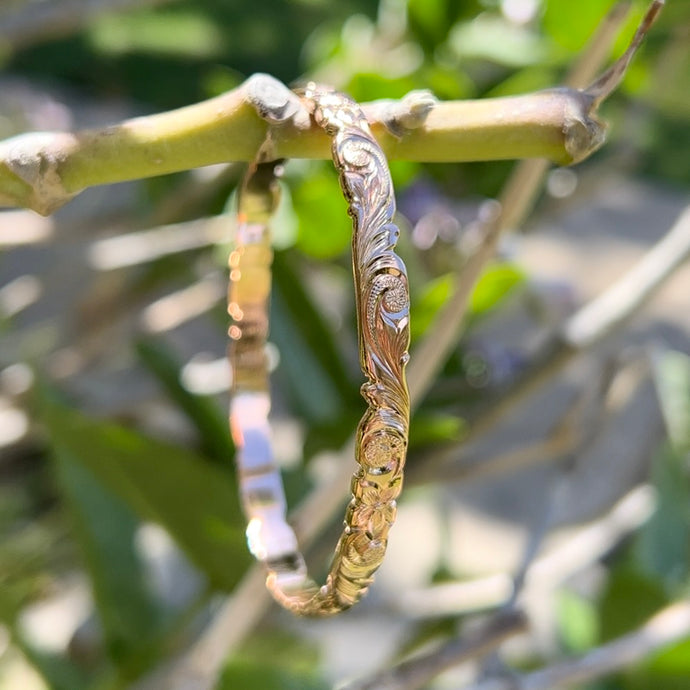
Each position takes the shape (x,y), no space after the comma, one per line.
(670,625)
(570,436)
(605,313)
(43,171)
(516,200)
(584,546)
(590,325)
(417,672)
(610,80)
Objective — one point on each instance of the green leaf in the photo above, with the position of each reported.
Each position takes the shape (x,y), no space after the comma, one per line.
(570,24)
(663,545)
(577,620)
(195,501)
(273,660)
(640,679)
(185,33)
(333,433)
(370,86)
(425,307)
(430,16)
(495,284)
(403,173)
(285,223)
(673,661)
(427,633)
(106,528)
(528,79)
(668,669)
(297,483)
(30,547)
(266,675)
(629,599)
(58,672)
(310,359)
(494,38)
(324,226)
(202,410)
(434,428)
(311,389)
(667,90)
(672,378)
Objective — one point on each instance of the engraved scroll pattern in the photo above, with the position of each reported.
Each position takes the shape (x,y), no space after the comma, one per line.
(382,302)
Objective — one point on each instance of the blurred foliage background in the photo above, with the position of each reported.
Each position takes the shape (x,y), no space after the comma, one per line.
(119,520)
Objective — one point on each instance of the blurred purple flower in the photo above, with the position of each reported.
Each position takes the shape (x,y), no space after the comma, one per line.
(435,216)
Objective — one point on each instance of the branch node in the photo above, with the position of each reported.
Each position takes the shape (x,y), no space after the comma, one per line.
(34,159)
(408,113)
(274,102)
(583,132)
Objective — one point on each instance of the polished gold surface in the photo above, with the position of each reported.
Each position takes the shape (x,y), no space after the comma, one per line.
(382,301)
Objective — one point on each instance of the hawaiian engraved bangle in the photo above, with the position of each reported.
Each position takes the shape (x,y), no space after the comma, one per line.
(382,304)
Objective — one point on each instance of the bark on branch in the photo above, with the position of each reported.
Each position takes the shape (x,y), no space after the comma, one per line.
(417,672)
(668,626)
(44,170)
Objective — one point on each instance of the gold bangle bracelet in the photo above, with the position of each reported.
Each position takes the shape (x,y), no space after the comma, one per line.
(382,303)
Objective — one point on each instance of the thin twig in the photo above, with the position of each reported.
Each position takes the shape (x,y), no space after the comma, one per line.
(584,546)
(516,200)
(227,632)
(621,300)
(587,413)
(591,398)
(571,434)
(143,246)
(611,79)
(590,325)
(670,625)
(417,672)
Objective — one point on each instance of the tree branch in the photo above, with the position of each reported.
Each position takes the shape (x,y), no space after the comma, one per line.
(584,546)
(587,327)
(571,435)
(591,543)
(670,625)
(605,313)
(418,671)
(517,197)
(44,170)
